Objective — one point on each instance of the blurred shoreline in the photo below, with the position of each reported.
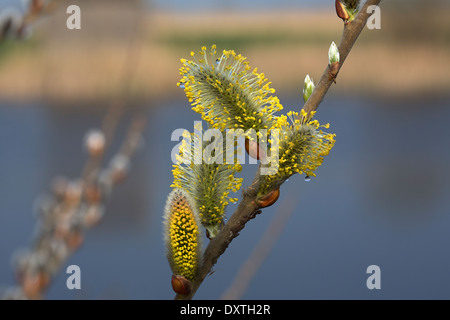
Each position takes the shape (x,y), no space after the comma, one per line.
(87,66)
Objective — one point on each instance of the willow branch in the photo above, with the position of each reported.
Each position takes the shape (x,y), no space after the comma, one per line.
(350,35)
(247,208)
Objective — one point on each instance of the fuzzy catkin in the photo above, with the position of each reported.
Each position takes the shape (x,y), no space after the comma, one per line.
(181,234)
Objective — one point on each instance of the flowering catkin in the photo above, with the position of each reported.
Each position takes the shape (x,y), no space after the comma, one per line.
(181,234)
(301,145)
(227,93)
(209,183)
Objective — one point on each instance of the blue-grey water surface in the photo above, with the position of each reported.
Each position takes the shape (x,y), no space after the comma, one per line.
(381,197)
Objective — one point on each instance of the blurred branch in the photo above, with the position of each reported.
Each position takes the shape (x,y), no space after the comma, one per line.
(74,207)
(16,24)
(248,208)
(117,106)
(77,205)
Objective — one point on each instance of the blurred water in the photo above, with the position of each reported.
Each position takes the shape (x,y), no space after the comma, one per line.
(381,197)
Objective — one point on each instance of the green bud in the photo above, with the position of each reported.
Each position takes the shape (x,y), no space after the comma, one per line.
(333,53)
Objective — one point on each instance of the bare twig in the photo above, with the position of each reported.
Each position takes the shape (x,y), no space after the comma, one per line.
(247,206)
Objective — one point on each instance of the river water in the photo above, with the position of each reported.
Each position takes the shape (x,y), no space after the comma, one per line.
(380,198)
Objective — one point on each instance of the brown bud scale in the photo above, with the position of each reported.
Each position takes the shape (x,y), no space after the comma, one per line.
(340,11)
(181,285)
(268,199)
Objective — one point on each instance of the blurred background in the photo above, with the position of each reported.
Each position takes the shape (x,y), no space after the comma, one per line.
(381,197)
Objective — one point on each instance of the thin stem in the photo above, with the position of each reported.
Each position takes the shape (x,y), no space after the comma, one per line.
(248,208)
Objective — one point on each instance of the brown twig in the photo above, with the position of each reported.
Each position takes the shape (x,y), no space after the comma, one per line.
(350,35)
(247,206)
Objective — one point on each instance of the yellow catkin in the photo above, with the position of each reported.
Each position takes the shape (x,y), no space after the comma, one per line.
(209,184)
(226,93)
(302,147)
(181,233)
